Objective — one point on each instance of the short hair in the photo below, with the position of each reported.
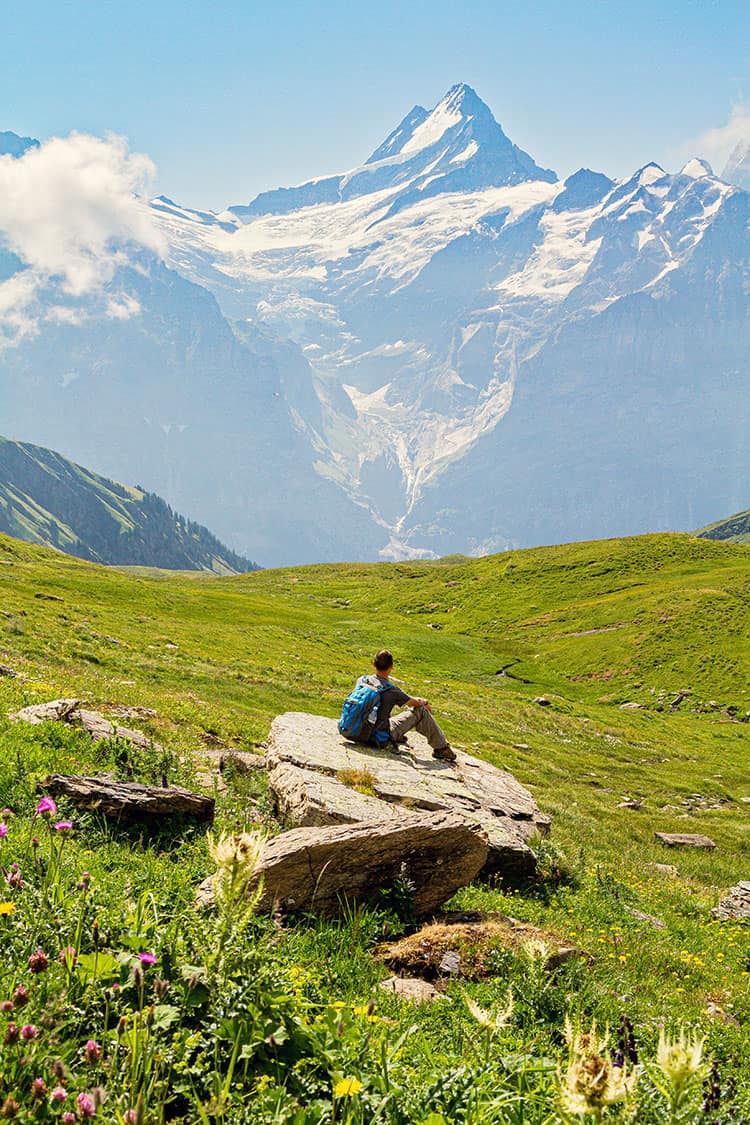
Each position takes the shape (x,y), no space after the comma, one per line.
(383,660)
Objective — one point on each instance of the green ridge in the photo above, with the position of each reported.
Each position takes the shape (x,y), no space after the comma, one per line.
(46,499)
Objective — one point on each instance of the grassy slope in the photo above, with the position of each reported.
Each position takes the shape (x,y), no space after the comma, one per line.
(46,499)
(592,625)
(734,529)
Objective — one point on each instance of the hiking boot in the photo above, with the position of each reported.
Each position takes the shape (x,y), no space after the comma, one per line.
(444,753)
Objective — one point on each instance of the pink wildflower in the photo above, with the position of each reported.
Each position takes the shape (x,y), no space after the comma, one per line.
(3,829)
(38,962)
(64,826)
(46,804)
(59,1094)
(20,996)
(38,1088)
(28,1031)
(147,958)
(92,1051)
(11,1034)
(86,1107)
(6,1006)
(68,956)
(68,1119)
(130,1117)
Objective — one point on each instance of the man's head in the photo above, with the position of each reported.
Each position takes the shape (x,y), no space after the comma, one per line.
(383,662)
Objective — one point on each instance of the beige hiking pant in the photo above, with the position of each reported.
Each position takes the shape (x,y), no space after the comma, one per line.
(421,720)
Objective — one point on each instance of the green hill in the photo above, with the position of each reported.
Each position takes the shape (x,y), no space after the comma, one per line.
(263,1021)
(46,499)
(735,529)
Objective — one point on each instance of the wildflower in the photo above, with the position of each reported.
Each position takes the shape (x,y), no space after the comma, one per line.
(6,1006)
(3,829)
(38,1088)
(38,962)
(68,956)
(20,996)
(28,1031)
(147,958)
(681,1063)
(11,1034)
(58,1069)
(592,1081)
(68,1119)
(9,1108)
(86,1107)
(129,1117)
(63,826)
(14,878)
(59,1094)
(92,1051)
(236,858)
(47,805)
(489,1021)
(7,907)
(347,1087)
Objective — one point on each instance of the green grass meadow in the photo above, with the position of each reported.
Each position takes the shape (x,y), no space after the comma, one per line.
(256,1022)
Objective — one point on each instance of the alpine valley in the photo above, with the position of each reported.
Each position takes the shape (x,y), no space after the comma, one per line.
(445,349)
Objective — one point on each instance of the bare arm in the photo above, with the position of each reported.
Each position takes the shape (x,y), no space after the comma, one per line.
(417,702)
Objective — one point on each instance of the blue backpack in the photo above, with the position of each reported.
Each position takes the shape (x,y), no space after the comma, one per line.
(360,711)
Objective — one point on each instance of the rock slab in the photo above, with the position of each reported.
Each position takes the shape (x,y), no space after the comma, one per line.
(685,840)
(73,711)
(735,905)
(317,778)
(128,799)
(318,869)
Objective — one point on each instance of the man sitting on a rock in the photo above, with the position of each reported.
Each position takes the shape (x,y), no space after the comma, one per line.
(418,717)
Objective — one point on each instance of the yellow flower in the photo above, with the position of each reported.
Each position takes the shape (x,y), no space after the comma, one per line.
(347,1087)
(592,1082)
(7,907)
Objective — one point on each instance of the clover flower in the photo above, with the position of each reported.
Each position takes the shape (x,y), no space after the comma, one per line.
(11,1034)
(20,996)
(63,826)
(38,962)
(68,1118)
(9,1108)
(92,1051)
(3,829)
(6,1006)
(38,1088)
(86,1106)
(59,1094)
(46,805)
(29,1031)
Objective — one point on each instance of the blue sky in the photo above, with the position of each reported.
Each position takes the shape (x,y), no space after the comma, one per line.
(232,98)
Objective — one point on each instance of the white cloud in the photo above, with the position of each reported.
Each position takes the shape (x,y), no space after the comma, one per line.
(70,212)
(715,145)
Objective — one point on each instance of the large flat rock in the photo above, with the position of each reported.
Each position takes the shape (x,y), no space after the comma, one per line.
(317,778)
(317,869)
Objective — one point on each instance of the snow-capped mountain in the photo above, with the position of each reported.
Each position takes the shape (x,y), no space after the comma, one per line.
(737,168)
(444,349)
(425,285)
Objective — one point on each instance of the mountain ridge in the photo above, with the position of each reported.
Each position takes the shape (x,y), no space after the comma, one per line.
(48,500)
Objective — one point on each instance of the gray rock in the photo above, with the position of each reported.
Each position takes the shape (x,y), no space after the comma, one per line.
(665,869)
(685,840)
(57,710)
(317,869)
(317,778)
(735,905)
(412,988)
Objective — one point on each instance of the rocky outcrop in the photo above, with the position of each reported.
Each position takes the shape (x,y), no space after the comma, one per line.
(128,800)
(317,778)
(73,711)
(735,905)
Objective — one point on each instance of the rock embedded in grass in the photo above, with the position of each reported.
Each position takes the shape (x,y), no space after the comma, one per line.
(735,905)
(685,840)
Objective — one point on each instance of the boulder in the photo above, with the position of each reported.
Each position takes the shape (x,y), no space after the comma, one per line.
(317,778)
(412,988)
(318,869)
(73,711)
(126,800)
(735,905)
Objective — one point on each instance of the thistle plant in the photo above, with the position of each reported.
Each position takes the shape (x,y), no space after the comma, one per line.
(681,1071)
(235,886)
(592,1081)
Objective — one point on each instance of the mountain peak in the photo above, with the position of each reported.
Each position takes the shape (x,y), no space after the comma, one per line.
(737,168)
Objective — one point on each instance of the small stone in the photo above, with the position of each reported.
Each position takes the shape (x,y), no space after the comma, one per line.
(6,671)
(649,919)
(632,707)
(631,803)
(665,869)
(412,988)
(543,701)
(450,963)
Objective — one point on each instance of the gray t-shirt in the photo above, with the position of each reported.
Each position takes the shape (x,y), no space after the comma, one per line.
(390,697)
